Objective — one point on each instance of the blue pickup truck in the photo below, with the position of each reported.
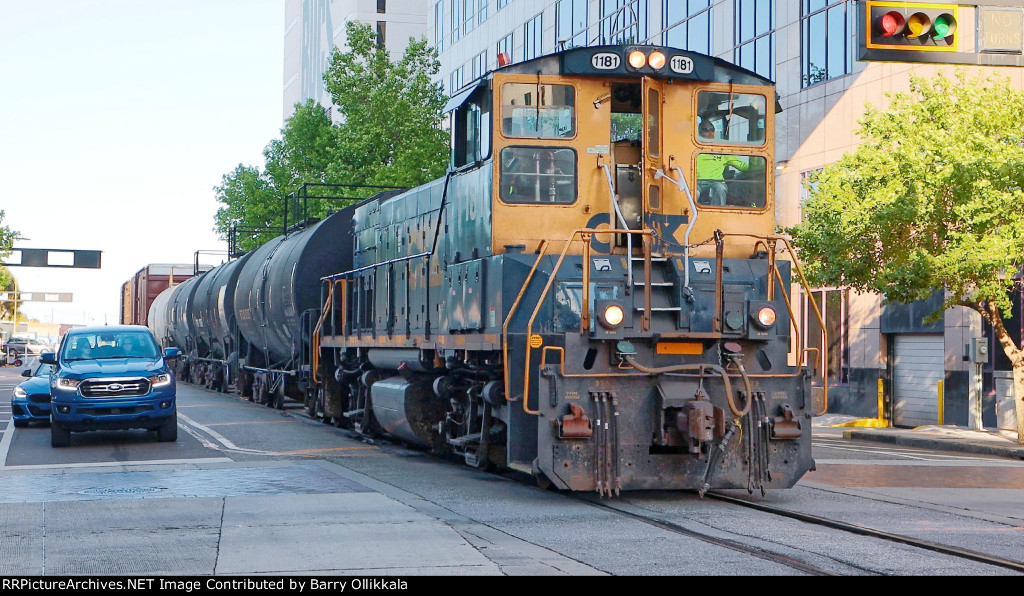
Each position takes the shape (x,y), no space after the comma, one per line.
(110,378)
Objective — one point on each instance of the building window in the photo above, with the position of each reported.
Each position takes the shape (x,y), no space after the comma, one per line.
(532,31)
(688,24)
(382,27)
(827,48)
(504,46)
(456,19)
(468,15)
(482,13)
(502,4)
(479,65)
(455,80)
(439,26)
(755,36)
(570,24)
(623,21)
(381,6)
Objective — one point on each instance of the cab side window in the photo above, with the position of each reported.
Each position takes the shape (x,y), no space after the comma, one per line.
(471,133)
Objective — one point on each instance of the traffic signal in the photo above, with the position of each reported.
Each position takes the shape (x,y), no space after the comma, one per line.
(911,26)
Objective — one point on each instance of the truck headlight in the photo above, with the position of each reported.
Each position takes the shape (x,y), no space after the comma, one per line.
(68,384)
(160,380)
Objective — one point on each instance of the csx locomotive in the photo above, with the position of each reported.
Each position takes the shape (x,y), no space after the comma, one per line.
(592,294)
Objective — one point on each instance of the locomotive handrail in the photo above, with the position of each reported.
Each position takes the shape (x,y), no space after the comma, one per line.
(682,185)
(508,319)
(328,303)
(810,298)
(374,265)
(622,222)
(547,287)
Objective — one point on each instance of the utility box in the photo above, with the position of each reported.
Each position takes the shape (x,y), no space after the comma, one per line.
(979,350)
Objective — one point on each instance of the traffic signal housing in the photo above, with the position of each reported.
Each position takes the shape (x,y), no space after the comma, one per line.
(910,26)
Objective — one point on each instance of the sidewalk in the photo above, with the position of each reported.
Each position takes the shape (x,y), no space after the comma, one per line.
(945,438)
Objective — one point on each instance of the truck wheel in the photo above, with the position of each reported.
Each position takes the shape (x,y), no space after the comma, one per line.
(59,436)
(168,431)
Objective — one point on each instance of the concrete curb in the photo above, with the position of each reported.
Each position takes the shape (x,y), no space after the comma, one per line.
(907,439)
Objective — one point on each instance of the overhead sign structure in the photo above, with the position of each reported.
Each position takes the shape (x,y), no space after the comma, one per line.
(53,257)
(35,296)
(941,32)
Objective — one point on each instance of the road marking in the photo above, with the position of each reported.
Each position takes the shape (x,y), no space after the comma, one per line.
(252,422)
(5,443)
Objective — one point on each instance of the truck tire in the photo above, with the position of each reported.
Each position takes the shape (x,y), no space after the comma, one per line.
(168,431)
(59,436)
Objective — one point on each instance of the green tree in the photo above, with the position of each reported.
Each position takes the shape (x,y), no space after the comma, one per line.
(390,132)
(931,200)
(7,236)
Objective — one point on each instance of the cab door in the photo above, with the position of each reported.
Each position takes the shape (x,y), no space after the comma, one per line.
(653,94)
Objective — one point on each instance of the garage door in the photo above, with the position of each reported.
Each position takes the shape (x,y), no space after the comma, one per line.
(917,370)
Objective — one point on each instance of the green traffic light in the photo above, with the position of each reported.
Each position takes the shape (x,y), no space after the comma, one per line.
(944,26)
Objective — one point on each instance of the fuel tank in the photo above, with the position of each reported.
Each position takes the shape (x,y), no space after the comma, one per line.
(180,321)
(281,280)
(158,319)
(213,308)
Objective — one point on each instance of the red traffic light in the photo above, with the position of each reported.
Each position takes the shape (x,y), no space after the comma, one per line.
(892,23)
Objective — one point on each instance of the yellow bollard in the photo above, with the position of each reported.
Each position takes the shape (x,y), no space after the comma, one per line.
(881,403)
(941,414)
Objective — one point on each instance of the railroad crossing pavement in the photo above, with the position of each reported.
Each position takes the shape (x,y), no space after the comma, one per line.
(944,438)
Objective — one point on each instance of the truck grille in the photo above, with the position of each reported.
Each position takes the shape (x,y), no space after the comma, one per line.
(115,388)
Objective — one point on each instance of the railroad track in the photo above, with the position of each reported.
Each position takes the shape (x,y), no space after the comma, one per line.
(622,509)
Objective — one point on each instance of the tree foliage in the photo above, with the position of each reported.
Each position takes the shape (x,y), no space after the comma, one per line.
(391,112)
(7,236)
(931,200)
(388,133)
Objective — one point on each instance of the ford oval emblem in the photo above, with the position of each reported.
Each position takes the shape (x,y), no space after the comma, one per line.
(115,386)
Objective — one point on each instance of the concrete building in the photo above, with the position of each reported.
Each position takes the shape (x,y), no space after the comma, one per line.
(811,49)
(314,27)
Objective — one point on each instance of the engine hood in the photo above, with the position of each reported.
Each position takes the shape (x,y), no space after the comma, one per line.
(112,367)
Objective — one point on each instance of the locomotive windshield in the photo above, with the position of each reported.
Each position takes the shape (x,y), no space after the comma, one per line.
(737,118)
(538,111)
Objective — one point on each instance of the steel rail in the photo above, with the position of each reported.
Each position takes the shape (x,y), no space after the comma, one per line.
(872,533)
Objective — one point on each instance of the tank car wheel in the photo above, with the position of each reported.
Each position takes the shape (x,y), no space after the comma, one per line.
(542,481)
(259,390)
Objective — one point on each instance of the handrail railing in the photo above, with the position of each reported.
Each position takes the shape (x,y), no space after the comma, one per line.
(582,232)
(810,298)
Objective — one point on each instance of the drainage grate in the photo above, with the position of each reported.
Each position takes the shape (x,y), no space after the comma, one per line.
(132,490)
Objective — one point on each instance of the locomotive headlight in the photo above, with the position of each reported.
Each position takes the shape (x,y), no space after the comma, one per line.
(656,60)
(612,316)
(766,317)
(637,59)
